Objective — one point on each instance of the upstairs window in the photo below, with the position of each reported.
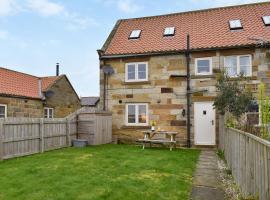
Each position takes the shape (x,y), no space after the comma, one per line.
(169,31)
(3,111)
(137,114)
(235,24)
(135,34)
(203,66)
(48,112)
(236,65)
(136,72)
(266,20)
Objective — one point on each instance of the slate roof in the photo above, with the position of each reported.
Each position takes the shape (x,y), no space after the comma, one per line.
(89,101)
(208,29)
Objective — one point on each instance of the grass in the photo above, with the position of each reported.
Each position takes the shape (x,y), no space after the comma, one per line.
(101,172)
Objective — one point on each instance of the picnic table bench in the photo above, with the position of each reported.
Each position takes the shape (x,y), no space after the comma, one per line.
(158,137)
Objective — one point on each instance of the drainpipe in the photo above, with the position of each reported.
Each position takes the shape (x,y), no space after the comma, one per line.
(188,91)
(104,90)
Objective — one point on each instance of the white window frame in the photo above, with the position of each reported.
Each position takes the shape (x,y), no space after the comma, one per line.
(238,64)
(46,109)
(135,34)
(210,66)
(233,22)
(169,31)
(265,18)
(4,105)
(137,114)
(136,72)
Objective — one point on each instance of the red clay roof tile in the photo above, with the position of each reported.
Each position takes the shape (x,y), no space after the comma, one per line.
(21,84)
(207,28)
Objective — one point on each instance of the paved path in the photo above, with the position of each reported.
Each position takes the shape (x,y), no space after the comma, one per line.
(206,184)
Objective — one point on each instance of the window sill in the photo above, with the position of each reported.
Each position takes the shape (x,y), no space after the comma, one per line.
(136,127)
(136,82)
(203,76)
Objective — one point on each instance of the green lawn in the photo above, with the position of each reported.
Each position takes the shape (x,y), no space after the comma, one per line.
(103,172)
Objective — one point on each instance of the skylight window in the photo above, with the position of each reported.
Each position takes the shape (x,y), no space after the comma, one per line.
(135,34)
(235,24)
(169,31)
(266,20)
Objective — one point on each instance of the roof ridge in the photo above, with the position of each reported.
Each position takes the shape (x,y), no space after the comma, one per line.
(18,72)
(196,11)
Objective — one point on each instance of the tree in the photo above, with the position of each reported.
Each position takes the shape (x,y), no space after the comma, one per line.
(232,95)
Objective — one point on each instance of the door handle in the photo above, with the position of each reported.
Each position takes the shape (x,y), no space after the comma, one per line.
(212,122)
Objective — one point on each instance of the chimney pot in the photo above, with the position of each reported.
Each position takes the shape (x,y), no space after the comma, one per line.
(57,69)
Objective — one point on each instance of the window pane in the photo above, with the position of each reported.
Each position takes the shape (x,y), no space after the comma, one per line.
(131,72)
(2,111)
(169,31)
(266,20)
(142,114)
(231,65)
(141,71)
(50,113)
(203,66)
(234,24)
(131,114)
(245,65)
(135,34)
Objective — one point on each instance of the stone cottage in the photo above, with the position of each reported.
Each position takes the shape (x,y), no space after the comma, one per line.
(148,57)
(24,95)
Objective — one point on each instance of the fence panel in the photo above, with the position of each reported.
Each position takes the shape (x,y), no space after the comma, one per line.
(248,157)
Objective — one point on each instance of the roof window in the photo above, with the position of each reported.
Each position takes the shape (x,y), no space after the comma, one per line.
(266,20)
(169,31)
(135,34)
(235,24)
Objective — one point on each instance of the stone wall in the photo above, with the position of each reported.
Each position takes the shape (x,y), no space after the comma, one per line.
(64,101)
(20,107)
(166,95)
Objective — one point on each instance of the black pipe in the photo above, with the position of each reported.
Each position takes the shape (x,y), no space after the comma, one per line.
(188,91)
(57,69)
(104,90)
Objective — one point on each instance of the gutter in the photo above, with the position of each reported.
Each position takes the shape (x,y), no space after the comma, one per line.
(103,56)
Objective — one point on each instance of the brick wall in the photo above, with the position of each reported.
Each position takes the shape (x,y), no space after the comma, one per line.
(166,95)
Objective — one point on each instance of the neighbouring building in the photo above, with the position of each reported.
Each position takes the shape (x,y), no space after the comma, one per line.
(89,101)
(148,56)
(24,95)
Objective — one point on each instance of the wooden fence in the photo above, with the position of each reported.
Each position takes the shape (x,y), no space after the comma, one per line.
(248,157)
(26,136)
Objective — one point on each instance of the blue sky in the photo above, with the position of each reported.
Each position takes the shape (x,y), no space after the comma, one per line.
(36,34)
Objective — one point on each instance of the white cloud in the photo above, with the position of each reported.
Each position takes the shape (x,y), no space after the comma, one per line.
(45,7)
(3,35)
(8,7)
(128,6)
(76,22)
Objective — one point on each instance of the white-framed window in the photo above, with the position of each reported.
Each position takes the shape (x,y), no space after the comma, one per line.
(235,24)
(266,20)
(3,110)
(48,112)
(169,31)
(137,114)
(135,34)
(203,66)
(136,72)
(236,65)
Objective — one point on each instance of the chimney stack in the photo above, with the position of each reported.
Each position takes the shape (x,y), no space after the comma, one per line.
(57,69)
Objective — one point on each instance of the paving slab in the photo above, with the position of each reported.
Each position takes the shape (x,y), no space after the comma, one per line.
(206,183)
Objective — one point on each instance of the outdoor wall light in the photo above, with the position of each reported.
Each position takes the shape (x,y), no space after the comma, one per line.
(183,112)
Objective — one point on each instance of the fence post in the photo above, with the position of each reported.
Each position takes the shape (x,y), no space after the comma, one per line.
(1,139)
(41,135)
(68,131)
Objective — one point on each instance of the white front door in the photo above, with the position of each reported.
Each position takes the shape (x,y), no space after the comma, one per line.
(204,123)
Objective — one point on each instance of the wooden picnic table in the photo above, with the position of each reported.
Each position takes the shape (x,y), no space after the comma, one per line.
(151,137)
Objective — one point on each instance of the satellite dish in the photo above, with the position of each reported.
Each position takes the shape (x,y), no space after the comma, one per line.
(108,70)
(49,93)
